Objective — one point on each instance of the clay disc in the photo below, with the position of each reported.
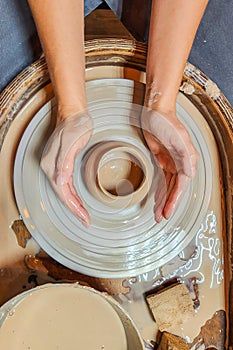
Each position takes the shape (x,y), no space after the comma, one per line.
(119,243)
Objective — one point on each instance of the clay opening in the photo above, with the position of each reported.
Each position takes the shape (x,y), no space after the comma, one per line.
(121,175)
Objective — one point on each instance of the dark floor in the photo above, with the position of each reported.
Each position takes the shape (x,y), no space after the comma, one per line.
(213,47)
(212,50)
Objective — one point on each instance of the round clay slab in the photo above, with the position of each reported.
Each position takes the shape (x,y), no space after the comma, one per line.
(66,316)
(120,242)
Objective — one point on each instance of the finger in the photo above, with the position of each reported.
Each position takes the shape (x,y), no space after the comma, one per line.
(73,190)
(177,192)
(160,197)
(194,158)
(64,173)
(73,202)
(152,142)
(163,192)
(49,156)
(161,153)
(65,165)
(189,161)
(185,152)
(171,181)
(65,179)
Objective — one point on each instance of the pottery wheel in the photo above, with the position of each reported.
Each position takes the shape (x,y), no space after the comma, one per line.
(120,242)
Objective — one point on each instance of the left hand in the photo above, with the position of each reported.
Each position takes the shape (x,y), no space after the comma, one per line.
(69,137)
(171,144)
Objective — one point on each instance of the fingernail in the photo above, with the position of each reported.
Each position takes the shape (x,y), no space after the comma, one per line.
(87,224)
(158,217)
(169,213)
(85,219)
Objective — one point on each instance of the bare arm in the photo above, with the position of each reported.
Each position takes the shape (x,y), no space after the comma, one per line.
(60,26)
(172,30)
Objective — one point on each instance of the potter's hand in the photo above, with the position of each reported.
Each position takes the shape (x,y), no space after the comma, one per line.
(170,142)
(68,139)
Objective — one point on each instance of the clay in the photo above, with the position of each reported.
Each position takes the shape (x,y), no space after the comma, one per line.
(171,307)
(172,342)
(62,318)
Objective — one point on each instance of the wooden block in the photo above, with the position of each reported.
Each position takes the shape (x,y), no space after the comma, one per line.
(171,307)
(172,342)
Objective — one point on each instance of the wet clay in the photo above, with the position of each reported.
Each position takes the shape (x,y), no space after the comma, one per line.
(126,181)
(62,318)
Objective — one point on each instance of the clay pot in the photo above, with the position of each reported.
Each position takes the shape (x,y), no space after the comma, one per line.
(118,174)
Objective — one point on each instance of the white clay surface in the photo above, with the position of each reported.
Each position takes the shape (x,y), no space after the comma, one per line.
(122,241)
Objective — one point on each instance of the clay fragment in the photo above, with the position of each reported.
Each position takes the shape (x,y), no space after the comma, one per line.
(172,342)
(213,333)
(171,307)
(21,232)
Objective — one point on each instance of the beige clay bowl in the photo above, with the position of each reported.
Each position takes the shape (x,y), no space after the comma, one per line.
(66,316)
(118,174)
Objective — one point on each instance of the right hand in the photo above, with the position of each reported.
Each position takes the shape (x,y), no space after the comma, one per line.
(171,144)
(70,136)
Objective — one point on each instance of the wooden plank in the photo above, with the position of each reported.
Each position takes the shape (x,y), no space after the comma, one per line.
(103,23)
(136,18)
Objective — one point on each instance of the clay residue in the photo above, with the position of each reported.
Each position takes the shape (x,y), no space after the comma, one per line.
(212,90)
(61,273)
(21,232)
(172,342)
(192,285)
(187,88)
(212,334)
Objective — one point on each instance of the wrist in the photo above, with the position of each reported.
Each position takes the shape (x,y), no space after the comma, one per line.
(165,107)
(66,111)
(160,101)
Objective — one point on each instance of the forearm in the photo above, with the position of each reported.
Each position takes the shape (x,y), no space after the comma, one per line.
(60,25)
(172,30)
